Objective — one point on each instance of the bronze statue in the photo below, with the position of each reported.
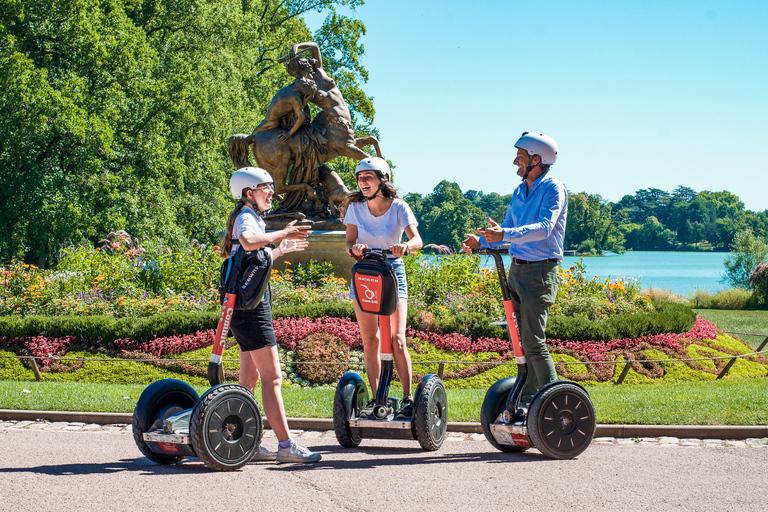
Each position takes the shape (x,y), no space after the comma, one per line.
(294,150)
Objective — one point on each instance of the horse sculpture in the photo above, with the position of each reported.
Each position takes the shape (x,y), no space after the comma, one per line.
(294,152)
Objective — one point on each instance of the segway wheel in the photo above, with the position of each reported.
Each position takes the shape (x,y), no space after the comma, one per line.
(158,401)
(350,398)
(226,427)
(561,422)
(431,416)
(494,402)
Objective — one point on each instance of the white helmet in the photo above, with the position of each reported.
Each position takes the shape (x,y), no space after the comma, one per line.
(374,163)
(247,177)
(539,144)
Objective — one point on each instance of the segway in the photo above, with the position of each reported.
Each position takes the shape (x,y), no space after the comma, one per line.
(561,420)
(223,428)
(375,286)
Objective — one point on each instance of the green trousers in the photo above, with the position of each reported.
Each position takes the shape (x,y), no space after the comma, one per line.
(534,288)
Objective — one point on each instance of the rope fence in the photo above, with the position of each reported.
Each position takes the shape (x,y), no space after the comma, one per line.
(441,364)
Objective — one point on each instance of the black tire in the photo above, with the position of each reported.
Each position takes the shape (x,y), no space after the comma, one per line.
(561,422)
(158,401)
(494,402)
(226,427)
(350,398)
(431,415)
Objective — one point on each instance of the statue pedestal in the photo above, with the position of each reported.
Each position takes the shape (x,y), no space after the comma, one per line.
(323,246)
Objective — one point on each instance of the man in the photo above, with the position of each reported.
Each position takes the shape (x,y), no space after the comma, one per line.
(534,226)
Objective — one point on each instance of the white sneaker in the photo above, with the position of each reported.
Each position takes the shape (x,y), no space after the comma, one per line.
(264,455)
(296,453)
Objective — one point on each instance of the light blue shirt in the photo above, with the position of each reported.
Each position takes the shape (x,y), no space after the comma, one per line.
(534,225)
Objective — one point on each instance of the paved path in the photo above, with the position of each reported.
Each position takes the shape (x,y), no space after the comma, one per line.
(82,466)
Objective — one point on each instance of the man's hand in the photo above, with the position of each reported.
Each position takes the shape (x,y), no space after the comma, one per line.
(493,233)
(470,243)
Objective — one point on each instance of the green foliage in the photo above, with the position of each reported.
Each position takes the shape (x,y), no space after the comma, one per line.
(596,298)
(732,298)
(321,347)
(451,284)
(314,273)
(316,310)
(107,328)
(748,251)
(667,317)
(589,223)
(120,277)
(115,114)
(445,215)
(759,281)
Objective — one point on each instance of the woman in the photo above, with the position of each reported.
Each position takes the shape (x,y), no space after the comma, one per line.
(254,188)
(376,218)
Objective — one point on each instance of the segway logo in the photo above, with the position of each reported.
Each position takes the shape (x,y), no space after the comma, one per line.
(368,291)
(227,316)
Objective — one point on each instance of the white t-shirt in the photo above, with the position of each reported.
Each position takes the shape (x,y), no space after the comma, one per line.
(248,221)
(384,231)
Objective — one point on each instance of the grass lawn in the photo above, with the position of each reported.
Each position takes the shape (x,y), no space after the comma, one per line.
(752,323)
(719,402)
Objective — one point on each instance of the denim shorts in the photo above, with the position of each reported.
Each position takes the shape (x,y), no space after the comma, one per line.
(402,284)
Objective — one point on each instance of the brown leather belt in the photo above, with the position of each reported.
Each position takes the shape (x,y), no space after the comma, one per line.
(524,262)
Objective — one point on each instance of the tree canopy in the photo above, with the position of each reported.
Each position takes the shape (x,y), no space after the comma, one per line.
(114,114)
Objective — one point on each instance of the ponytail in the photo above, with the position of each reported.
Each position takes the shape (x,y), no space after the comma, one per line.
(226,246)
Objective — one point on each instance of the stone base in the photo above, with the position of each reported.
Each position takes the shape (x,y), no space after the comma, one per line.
(323,246)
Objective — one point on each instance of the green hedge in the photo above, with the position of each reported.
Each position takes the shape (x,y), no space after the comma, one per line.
(107,328)
(668,317)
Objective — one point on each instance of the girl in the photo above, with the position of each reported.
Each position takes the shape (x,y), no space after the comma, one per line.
(376,218)
(253,188)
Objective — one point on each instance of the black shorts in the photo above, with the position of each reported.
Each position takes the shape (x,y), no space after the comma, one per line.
(253,327)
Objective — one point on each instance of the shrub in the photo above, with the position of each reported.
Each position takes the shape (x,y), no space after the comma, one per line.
(732,298)
(321,347)
(759,281)
(596,298)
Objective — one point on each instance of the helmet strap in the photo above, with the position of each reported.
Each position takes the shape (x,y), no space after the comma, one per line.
(529,168)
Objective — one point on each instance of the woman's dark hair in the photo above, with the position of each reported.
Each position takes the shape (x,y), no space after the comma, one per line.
(386,189)
(226,244)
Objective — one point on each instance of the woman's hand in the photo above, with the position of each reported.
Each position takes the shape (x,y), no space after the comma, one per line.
(287,246)
(398,250)
(357,249)
(292,232)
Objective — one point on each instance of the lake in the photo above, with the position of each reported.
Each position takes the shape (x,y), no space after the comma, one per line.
(679,272)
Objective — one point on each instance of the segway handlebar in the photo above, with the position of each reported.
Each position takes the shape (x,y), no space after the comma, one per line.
(377,251)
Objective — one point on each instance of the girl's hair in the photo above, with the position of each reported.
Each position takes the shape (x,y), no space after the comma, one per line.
(386,189)
(226,245)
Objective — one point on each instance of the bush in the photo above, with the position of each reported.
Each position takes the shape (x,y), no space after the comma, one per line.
(759,281)
(323,348)
(733,298)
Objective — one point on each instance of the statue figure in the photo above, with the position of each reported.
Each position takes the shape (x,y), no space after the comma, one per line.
(294,150)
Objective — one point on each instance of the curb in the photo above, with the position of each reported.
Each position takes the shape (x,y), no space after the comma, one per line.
(734,432)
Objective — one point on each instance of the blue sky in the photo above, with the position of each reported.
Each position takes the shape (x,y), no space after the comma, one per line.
(651,94)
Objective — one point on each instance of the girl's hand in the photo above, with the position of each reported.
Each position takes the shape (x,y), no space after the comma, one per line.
(287,246)
(292,232)
(357,249)
(398,250)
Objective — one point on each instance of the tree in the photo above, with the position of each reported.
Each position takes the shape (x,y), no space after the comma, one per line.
(114,114)
(747,251)
(589,223)
(446,215)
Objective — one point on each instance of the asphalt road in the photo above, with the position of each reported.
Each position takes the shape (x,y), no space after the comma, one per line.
(95,468)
